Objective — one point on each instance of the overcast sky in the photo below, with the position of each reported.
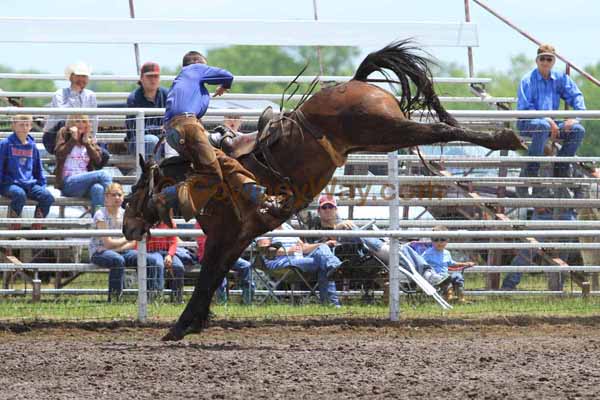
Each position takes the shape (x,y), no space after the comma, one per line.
(572,26)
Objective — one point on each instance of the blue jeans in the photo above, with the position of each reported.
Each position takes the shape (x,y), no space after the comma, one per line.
(407,253)
(320,260)
(457,279)
(90,185)
(242,268)
(155,273)
(150,143)
(539,130)
(159,275)
(117,262)
(19,195)
(373,244)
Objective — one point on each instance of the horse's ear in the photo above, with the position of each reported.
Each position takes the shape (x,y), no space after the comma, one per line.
(142,162)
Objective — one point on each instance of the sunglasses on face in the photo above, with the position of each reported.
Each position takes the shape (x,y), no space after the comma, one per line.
(327,207)
(546,59)
(439,240)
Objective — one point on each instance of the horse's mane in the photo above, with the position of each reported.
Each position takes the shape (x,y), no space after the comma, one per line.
(403,60)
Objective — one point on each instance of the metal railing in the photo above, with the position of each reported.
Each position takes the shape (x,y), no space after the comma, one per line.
(141,113)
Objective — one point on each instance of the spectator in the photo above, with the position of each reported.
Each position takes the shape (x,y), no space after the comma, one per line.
(441,260)
(241,267)
(114,253)
(164,250)
(74,96)
(528,256)
(78,160)
(149,94)
(21,175)
(306,257)
(542,89)
(327,218)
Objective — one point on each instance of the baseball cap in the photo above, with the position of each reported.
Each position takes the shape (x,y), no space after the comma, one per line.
(327,199)
(150,68)
(546,50)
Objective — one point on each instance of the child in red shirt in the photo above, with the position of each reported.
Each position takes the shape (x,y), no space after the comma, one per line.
(163,250)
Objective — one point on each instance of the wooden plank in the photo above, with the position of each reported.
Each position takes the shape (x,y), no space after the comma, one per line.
(234,32)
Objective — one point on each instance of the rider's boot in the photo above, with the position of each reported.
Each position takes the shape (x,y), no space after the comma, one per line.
(265,117)
(256,195)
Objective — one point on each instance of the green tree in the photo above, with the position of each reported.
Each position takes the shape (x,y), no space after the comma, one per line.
(22,85)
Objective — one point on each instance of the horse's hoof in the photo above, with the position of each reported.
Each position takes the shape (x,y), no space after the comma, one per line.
(173,336)
(197,326)
(509,140)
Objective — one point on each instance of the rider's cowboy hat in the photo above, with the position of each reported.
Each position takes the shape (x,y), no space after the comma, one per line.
(78,68)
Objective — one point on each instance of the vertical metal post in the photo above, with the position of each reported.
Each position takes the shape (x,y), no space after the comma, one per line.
(394,245)
(141,258)
(319,57)
(568,72)
(136,47)
(469,49)
(36,293)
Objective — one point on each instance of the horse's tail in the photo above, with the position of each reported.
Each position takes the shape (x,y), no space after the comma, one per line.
(403,60)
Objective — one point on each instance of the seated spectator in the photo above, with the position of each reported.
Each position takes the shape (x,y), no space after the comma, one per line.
(441,260)
(149,94)
(78,160)
(307,257)
(74,96)
(327,218)
(114,253)
(542,89)
(241,267)
(530,256)
(21,174)
(164,250)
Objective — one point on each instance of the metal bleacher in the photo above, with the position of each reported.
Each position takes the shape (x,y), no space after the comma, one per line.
(468,198)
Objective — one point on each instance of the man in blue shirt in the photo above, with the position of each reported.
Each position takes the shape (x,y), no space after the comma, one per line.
(21,176)
(187,102)
(542,89)
(149,95)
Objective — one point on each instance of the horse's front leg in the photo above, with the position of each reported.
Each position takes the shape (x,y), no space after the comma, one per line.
(195,315)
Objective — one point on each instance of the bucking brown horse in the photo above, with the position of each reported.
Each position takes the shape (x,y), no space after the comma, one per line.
(298,154)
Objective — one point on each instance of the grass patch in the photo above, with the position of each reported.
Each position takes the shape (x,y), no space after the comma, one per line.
(95,308)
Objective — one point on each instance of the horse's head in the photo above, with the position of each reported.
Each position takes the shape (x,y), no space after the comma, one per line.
(138,217)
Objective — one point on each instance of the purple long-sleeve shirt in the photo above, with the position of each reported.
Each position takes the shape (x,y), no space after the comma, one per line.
(188,93)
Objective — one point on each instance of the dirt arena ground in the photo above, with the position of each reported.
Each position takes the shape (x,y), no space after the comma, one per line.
(477,360)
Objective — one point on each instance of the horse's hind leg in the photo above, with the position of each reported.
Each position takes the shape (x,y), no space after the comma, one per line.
(390,133)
